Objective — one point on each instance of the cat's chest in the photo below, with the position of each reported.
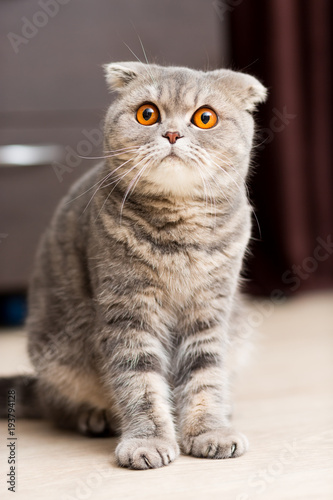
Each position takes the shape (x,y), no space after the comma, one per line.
(185,265)
(177,259)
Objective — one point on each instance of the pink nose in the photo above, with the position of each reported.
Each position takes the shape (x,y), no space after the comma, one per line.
(172,136)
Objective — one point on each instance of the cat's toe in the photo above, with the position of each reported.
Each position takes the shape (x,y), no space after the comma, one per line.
(93,422)
(218,444)
(150,453)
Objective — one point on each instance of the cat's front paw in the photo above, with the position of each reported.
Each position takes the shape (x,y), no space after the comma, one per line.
(219,443)
(146,453)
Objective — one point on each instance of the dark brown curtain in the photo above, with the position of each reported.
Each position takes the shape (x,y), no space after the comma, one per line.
(286,43)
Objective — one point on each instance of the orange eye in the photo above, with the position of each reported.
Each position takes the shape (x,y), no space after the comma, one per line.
(147,114)
(204,118)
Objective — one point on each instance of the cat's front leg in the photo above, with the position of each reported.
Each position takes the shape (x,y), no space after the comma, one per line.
(134,366)
(202,393)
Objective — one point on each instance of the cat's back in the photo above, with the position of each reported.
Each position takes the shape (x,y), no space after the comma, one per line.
(77,199)
(60,258)
(69,225)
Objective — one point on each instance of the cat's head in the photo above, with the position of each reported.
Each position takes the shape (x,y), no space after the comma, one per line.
(178,131)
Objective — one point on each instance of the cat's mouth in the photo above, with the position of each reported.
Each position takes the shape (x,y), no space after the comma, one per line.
(173,157)
(173,154)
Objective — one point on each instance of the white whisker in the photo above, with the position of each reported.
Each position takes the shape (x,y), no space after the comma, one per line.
(132,150)
(146,58)
(121,149)
(227,173)
(139,60)
(100,183)
(207,157)
(205,189)
(132,185)
(121,176)
(117,180)
(212,197)
(86,191)
(243,183)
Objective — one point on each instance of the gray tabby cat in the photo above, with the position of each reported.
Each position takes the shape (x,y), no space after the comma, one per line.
(135,317)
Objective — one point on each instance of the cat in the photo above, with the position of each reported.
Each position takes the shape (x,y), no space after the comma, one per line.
(135,314)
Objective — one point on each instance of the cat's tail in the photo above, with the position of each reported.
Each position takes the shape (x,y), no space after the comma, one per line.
(19,397)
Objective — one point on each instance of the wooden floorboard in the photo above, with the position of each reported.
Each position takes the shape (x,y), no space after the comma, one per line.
(283,403)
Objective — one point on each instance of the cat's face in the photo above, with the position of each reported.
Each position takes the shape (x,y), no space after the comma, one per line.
(178,131)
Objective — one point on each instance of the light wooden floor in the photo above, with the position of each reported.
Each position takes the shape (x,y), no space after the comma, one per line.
(284,404)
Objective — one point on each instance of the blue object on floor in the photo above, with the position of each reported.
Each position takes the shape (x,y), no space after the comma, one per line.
(13,309)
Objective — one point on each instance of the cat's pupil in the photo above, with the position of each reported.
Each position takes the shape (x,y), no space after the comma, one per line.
(147,113)
(205,117)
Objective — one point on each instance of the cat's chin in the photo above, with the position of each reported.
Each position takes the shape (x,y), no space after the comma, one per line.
(173,175)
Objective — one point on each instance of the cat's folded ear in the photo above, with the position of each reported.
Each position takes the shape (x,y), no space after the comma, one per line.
(118,75)
(245,89)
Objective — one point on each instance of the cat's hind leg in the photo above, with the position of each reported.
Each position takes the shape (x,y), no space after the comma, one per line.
(83,418)
(73,398)
(35,399)
(94,422)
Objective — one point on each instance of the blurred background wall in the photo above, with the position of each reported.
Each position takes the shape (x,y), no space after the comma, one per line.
(53,99)
(287,43)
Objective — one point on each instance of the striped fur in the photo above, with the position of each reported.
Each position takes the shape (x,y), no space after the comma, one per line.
(134,298)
